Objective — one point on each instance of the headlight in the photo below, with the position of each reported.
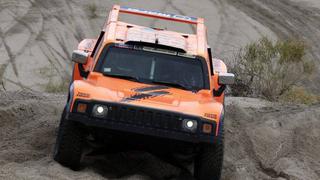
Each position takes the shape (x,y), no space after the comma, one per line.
(190,125)
(99,111)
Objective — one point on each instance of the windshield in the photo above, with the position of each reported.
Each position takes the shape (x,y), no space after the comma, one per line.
(158,68)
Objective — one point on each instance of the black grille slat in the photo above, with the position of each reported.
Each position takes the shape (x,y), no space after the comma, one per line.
(158,119)
(171,121)
(121,114)
(140,117)
(148,119)
(133,114)
(112,112)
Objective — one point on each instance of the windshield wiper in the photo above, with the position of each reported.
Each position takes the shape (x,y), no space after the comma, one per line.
(122,76)
(172,84)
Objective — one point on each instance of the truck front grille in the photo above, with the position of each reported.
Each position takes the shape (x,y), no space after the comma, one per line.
(144,117)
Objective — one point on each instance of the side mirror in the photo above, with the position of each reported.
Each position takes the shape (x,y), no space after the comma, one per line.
(80,57)
(226,79)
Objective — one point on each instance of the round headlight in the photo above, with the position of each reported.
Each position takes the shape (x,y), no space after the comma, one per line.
(100,111)
(190,125)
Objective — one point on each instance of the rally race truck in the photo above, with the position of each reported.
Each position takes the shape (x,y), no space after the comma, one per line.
(137,85)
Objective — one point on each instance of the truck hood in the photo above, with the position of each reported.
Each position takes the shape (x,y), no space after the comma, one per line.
(108,89)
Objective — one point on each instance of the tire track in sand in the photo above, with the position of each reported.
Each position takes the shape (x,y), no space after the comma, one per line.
(285,18)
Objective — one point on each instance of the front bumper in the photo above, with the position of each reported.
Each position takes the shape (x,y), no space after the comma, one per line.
(144,121)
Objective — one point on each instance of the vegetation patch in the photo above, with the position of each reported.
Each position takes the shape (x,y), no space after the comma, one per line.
(299,95)
(272,70)
(52,87)
(92,9)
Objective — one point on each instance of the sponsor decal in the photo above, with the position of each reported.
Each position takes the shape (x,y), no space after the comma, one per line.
(81,94)
(156,13)
(142,96)
(150,88)
(146,92)
(211,116)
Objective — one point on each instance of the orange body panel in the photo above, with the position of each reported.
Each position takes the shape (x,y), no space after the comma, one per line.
(99,87)
(108,89)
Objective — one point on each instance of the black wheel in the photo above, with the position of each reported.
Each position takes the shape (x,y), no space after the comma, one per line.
(69,142)
(208,163)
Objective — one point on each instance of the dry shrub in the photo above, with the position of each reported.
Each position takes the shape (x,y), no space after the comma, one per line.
(299,95)
(267,69)
(92,9)
(52,87)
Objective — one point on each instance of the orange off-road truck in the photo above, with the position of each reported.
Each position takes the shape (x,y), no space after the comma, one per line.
(139,86)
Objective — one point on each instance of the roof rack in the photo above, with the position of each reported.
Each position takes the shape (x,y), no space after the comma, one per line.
(153,14)
(199,22)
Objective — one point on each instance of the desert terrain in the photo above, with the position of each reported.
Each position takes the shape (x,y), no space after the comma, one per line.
(264,140)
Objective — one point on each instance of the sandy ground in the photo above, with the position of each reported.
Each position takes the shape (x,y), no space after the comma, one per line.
(263,141)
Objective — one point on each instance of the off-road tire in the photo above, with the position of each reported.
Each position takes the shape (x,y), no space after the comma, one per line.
(208,162)
(69,142)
